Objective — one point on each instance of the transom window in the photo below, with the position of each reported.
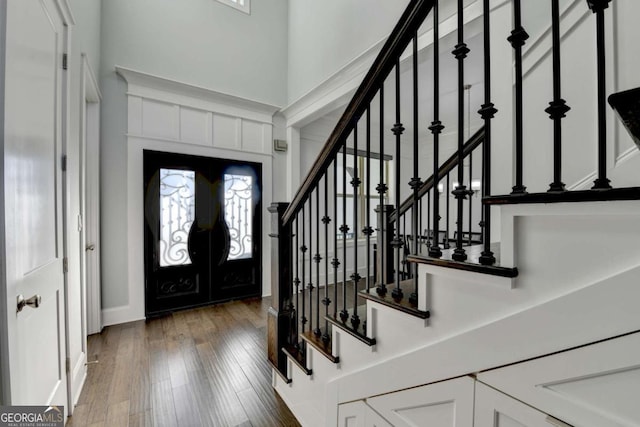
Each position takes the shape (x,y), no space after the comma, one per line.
(243,5)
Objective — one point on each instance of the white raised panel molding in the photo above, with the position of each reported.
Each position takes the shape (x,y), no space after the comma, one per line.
(176,117)
(592,386)
(495,409)
(445,404)
(352,414)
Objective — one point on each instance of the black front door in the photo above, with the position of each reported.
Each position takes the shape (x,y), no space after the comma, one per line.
(202,230)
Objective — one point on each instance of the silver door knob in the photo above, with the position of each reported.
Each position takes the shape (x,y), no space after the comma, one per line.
(33,302)
(90,247)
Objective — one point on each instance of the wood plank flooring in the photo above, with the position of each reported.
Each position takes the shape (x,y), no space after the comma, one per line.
(201,367)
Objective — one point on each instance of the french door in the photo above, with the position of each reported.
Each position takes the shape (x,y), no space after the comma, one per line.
(203,230)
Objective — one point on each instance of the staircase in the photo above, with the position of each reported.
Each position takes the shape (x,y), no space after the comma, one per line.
(471,286)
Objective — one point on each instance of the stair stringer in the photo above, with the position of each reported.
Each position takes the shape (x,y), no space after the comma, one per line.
(557,302)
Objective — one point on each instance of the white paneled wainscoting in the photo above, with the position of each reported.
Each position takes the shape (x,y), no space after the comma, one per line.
(175,117)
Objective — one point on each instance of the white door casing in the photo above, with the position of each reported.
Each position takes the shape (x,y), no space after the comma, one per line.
(35,40)
(90,132)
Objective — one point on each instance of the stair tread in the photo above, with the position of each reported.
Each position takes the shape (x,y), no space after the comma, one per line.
(298,358)
(403,304)
(471,264)
(627,193)
(358,333)
(322,347)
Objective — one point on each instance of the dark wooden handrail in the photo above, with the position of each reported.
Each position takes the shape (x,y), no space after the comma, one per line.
(404,31)
(473,142)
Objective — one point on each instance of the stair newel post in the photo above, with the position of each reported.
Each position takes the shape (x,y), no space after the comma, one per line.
(344,228)
(355,183)
(517,39)
(335,262)
(367,230)
(558,108)
(487,112)
(318,259)
(460,52)
(397,242)
(382,188)
(436,128)
(383,242)
(598,7)
(415,182)
(280,317)
(326,220)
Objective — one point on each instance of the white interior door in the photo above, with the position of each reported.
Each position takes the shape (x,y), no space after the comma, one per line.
(33,202)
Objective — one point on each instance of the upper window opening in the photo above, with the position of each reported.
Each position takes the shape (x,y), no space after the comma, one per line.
(243,5)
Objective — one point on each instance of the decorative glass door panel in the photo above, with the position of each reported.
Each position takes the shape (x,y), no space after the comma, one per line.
(202,231)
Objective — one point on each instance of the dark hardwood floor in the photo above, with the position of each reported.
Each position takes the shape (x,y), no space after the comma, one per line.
(201,367)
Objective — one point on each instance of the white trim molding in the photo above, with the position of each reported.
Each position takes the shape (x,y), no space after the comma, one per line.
(176,117)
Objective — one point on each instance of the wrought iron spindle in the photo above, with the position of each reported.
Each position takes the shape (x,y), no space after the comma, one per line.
(368,230)
(344,314)
(382,188)
(310,286)
(460,52)
(436,128)
(397,131)
(470,195)
(415,182)
(487,112)
(296,283)
(517,39)
(598,7)
(429,236)
(446,244)
(355,277)
(326,220)
(303,249)
(558,108)
(335,262)
(317,258)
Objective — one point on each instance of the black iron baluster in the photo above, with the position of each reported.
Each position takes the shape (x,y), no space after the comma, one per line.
(317,258)
(460,52)
(517,39)
(598,7)
(487,112)
(446,244)
(415,182)
(397,243)
(428,222)
(335,262)
(310,286)
(326,220)
(382,188)
(368,230)
(303,249)
(558,108)
(436,128)
(471,192)
(344,314)
(296,282)
(355,183)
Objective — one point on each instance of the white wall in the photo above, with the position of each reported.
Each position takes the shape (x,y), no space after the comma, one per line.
(202,43)
(325,36)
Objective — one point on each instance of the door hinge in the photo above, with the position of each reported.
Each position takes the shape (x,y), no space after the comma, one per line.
(64,61)
(63,163)
(67,364)
(65,265)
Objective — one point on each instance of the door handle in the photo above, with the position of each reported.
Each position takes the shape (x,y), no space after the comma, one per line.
(90,247)
(33,302)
